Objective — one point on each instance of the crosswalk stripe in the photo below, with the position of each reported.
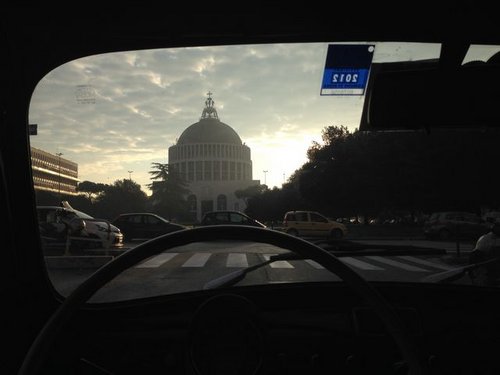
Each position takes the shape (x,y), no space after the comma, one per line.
(237,260)
(396,264)
(279,263)
(315,264)
(360,264)
(197,260)
(157,260)
(425,262)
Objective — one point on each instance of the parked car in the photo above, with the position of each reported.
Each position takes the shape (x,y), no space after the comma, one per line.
(311,223)
(492,217)
(452,224)
(229,218)
(56,223)
(144,225)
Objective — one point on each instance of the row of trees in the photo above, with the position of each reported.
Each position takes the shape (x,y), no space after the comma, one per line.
(349,174)
(355,173)
(106,201)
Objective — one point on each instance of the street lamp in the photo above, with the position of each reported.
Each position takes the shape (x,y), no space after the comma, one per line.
(59,166)
(130,175)
(265,181)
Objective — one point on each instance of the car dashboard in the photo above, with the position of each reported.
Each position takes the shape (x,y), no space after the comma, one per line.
(315,328)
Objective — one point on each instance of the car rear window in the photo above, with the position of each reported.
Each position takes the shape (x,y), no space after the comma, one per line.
(235,218)
(301,216)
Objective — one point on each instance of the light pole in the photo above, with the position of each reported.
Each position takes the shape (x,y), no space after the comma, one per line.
(59,166)
(130,175)
(265,181)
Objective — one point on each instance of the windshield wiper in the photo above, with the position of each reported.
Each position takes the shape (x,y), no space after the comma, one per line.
(361,250)
(457,273)
(236,276)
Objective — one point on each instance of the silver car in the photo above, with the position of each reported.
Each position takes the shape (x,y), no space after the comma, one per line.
(61,224)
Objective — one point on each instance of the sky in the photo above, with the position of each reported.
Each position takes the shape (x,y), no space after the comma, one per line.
(115,114)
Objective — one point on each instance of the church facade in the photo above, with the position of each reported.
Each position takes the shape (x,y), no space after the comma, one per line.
(210,156)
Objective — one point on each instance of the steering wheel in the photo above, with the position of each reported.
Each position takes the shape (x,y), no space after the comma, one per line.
(40,348)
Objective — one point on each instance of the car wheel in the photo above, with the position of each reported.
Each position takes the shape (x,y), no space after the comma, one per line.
(293,232)
(444,234)
(336,234)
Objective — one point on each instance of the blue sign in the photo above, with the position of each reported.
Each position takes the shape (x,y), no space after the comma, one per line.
(347,69)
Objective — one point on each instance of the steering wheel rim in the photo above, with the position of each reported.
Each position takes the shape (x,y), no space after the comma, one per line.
(42,344)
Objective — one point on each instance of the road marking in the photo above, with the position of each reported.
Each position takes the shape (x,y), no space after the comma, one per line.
(197,260)
(279,263)
(315,264)
(237,260)
(425,262)
(397,264)
(360,264)
(157,260)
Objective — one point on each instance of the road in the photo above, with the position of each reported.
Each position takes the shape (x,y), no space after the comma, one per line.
(190,267)
(449,246)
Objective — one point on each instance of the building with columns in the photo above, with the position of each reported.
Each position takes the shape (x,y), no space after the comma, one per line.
(215,163)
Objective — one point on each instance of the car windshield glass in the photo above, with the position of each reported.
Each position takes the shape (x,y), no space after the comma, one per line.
(271,131)
(82,215)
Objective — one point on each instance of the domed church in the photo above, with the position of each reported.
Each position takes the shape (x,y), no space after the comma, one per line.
(215,163)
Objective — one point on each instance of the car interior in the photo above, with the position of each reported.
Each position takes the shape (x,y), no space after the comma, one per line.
(228,323)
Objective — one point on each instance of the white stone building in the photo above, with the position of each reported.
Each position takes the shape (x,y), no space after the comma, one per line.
(214,161)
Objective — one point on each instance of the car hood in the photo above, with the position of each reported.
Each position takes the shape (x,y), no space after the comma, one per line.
(92,225)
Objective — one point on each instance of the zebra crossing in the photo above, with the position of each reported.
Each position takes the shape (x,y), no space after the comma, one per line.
(242,260)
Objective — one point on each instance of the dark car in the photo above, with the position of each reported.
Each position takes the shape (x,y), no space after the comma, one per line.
(229,218)
(452,224)
(144,225)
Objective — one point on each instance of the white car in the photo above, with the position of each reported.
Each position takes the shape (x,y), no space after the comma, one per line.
(57,223)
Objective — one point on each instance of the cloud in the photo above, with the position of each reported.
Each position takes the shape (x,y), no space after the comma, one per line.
(144,100)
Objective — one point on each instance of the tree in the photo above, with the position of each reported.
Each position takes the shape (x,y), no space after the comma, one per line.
(169,192)
(91,189)
(271,205)
(369,173)
(120,197)
(250,192)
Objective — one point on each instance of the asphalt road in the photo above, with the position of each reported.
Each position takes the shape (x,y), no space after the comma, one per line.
(191,267)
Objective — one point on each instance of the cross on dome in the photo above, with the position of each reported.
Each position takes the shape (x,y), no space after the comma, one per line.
(209,111)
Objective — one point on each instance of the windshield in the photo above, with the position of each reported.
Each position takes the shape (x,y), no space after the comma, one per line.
(271,131)
(82,215)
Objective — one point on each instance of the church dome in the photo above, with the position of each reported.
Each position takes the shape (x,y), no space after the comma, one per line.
(209,129)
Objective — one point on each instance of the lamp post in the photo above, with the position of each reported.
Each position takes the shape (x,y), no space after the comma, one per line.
(265,181)
(130,175)
(59,167)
